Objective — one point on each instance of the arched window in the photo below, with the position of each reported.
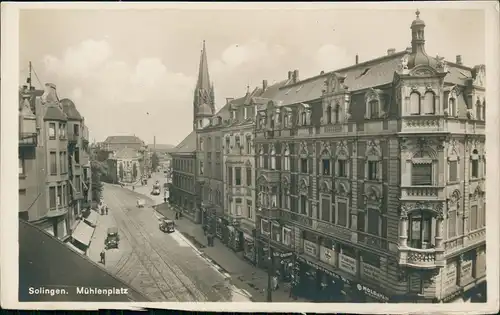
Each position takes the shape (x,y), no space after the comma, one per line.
(261,158)
(286,198)
(429,103)
(286,160)
(272,157)
(374,109)
(337,113)
(329,114)
(414,103)
(303,116)
(452,106)
(475,164)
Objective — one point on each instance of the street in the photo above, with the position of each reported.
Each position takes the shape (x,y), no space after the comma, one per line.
(165,267)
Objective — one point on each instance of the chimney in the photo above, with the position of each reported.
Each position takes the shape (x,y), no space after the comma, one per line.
(357,58)
(391,51)
(290,73)
(322,72)
(229,99)
(459,60)
(295,76)
(264,85)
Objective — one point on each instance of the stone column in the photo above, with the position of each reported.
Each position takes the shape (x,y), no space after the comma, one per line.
(403,233)
(439,231)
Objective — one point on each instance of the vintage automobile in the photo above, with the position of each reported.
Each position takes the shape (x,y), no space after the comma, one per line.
(141,203)
(112,239)
(167,225)
(155,192)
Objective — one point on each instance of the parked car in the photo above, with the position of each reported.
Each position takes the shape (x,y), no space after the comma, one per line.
(112,238)
(155,191)
(140,203)
(167,225)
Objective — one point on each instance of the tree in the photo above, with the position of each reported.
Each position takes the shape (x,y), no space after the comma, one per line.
(98,171)
(155,162)
(121,172)
(134,171)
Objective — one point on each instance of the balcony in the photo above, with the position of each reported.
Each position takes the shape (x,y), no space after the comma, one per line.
(273,176)
(422,193)
(421,258)
(73,138)
(272,214)
(28,139)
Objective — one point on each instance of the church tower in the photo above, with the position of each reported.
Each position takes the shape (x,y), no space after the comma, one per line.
(204,99)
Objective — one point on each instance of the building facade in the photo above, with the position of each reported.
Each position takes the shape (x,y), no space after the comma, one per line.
(125,166)
(370,179)
(46,175)
(116,143)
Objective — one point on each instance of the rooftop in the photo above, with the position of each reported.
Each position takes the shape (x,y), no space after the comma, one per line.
(126,154)
(187,145)
(70,110)
(123,140)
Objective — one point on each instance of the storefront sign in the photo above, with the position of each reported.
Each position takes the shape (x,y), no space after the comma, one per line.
(347,264)
(282,255)
(325,270)
(370,292)
(310,248)
(327,255)
(466,269)
(451,275)
(370,271)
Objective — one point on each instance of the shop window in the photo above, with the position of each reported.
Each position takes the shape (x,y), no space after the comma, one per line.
(419,225)
(421,174)
(342,168)
(303,165)
(325,209)
(52,131)
(414,103)
(373,170)
(326,166)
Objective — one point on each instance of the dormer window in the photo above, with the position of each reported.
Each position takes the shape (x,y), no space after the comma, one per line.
(415,103)
(303,118)
(429,103)
(373,104)
(374,107)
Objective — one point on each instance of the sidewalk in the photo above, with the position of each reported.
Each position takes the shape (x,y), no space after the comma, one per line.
(244,274)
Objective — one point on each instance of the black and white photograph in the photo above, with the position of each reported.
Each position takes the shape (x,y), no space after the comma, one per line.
(282,156)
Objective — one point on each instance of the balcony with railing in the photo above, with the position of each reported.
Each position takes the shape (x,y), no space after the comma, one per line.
(436,124)
(421,258)
(423,193)
(272,175)
(27,131)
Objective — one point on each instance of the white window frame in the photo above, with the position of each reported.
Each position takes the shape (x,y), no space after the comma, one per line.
(284,230)
(286,160)
(272,157)
(264,222)
(280,230)
(261,158)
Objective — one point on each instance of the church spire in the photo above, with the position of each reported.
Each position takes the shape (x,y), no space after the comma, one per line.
(203,76)
(203,103)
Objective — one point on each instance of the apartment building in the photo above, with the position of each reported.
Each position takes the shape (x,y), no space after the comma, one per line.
(370,179)
(124,166)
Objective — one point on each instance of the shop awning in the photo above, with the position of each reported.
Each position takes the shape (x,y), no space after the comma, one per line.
(92,218)
(83,233)
(75,249)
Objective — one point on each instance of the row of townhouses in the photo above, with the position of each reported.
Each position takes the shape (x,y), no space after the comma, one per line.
(55,190)
(366,182)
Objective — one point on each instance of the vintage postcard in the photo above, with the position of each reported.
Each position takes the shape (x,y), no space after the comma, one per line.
(251,157)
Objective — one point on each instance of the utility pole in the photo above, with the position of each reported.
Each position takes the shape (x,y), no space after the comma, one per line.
(270,267)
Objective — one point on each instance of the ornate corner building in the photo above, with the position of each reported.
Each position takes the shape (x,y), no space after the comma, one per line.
(370,179)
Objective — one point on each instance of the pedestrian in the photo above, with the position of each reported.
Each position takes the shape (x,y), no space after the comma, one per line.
(102,257)
(107,208)
(275,283)
(204,230)
(133,187)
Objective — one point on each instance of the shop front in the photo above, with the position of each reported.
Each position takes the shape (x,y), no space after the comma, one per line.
(225,231)
(249,247)
(318,282)
(235,239)
(218,228)
(283,263)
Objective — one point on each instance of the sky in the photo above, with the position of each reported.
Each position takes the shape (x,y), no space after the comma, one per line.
(133,72)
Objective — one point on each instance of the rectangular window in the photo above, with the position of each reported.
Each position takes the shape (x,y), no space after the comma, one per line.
(245,113)
(453,171)
(52,197)
(374,109)
(342,168)
(76,129)
(421,175)
(249,144)
(238,207)
(237,176)
(249,176)
(249,209)
(52,131)
(303,204)
(59,196)
(361,221)
(78,183)
(303,166)
(201,168)
(21,164)
(326,167)
(475,168)
(452,223)
(61,163)
(373,222)
(373,170)
(287,236)
(53,163)
(419,235)
(473,218)
(77,156)
(277,232)
(325,209)
(342,213)
(264,226)
(230,175)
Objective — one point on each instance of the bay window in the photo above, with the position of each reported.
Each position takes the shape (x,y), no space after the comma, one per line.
(419,234)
